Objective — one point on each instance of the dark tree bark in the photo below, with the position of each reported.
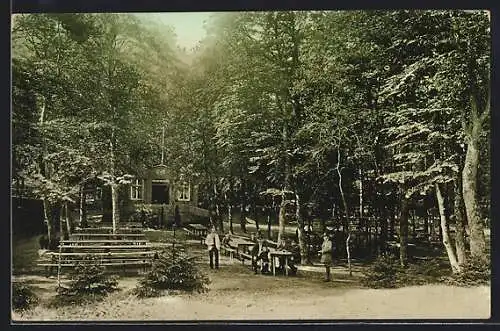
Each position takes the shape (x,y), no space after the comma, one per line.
(230,218)
(469,176)
(459,222)
(83,209)
(403,231)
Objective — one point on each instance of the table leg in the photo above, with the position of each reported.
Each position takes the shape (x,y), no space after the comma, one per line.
(274,266)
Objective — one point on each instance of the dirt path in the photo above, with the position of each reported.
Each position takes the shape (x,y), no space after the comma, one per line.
(235,294)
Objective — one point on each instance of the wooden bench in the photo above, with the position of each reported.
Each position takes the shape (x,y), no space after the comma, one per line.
(90,236)
(108,230)
(103,241)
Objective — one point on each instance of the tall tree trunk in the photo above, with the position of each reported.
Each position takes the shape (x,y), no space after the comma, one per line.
(243,220)
(62,216)
(281,220)
(43,169)
(48,219)
(360,194)
(83,208)
(229,211)
(69,218)
(392,224)
(383,230)
(469,182)
(459,222)
(346,211)
(303,246)
(230,218)
(115,207)
(219,222)
(269,225)
(403,231)
(445,230)
(426,225)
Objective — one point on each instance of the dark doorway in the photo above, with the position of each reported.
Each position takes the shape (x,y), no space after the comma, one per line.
(159,193)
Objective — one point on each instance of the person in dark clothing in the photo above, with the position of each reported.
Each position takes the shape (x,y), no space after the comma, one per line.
(213,244)
(177,217)
(44,242)
(260,252)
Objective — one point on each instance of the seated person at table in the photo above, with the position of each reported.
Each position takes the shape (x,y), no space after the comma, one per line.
(260,252)
(226,240)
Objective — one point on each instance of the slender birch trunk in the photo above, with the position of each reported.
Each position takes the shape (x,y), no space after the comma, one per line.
(445,231)
(83,209)
(68,220)
(346,210)
(403,231)
(303,246)
(115,206)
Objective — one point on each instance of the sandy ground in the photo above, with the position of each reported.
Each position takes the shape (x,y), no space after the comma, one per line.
(237,294)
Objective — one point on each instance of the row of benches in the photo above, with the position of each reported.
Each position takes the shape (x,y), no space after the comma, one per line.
(128,248)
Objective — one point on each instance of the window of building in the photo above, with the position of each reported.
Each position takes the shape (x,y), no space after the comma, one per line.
(184,192)
(136,190)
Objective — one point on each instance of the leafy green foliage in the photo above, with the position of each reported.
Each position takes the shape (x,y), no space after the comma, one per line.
(386,272)
(89,281)
(474,272)
(382,273)
(173,272)
(23,296)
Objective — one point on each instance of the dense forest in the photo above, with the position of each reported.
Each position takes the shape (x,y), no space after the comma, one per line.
(327,115)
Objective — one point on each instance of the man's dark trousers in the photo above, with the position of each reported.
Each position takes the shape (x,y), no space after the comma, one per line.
(212,252)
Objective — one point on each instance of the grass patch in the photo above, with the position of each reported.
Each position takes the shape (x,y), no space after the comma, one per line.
(386,272)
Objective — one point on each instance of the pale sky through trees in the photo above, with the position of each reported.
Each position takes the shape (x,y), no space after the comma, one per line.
(188,25)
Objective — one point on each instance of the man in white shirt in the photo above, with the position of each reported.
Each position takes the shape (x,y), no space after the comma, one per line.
(213,244)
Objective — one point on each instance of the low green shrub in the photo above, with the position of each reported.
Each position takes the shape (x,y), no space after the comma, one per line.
(382,273)
(387,272)
(89,282)
(474,272)
(423,272)
(23,297)
(172,272)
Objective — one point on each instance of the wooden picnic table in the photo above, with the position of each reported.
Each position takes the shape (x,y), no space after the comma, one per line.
(240,245)
(274,253)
